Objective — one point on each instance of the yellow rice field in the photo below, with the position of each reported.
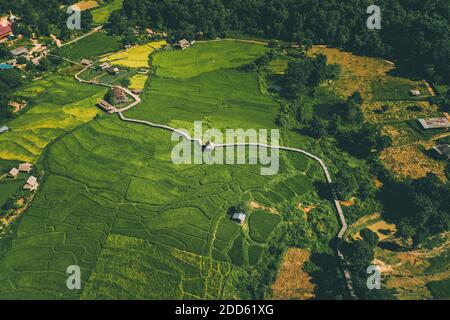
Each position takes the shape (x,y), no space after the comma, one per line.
(138,81)
(135,57)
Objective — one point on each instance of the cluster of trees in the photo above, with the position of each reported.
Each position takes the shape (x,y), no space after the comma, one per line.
(360,254)
(304,73)
(9,80)
(419,208)
(443,101)
(414,32)
(4,52)
(43,17)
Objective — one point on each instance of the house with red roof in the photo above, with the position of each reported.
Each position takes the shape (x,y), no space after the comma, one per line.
(5,30)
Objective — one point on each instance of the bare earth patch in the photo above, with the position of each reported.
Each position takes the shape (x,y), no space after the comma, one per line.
(378,183)
(256,205)
(373,222)
(292,281)
(405,271)
(348,203)
(86,5)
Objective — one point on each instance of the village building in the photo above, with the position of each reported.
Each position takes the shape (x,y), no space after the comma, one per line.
(183,44)
(143,71)
(19,51)
(25,167)
(149,31)
(106,106)
(114,70)
(443,150)
(105,65)
(119,95)
(14,172)
(5,29)
(4,129)
(36,61)
(17,106)
(208,146)
(435,123)
(31,184)
(239,217)
(414,92)
(86,62)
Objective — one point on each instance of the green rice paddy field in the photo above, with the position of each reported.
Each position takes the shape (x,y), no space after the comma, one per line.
(101,14)
(141,227)
(91,46)
(60,104)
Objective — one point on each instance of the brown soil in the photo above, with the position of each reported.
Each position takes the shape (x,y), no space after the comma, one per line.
(348,203)
(378,183)
(292,281)
(410,162)
(256,205)
(405,270)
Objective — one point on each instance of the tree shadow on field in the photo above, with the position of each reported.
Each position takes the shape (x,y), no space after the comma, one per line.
(323,190)
(327,277)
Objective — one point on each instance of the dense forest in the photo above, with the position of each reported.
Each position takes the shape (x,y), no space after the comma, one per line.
(414,32)
(42,17)
(9,80)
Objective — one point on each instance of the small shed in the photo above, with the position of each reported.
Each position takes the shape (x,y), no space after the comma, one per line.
(184,44)
(435,123)
(114,70)
(31,184)
(25,167)
(105,65)
(239,217)
(414,92)
(14,172)
(106,106)
(19,51)
(86,62)
(4,129)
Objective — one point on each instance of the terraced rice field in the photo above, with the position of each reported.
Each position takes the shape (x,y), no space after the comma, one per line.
(216,92)
(206,57)
(138,81)
(135,57)
(101,14)
(112,195)
(139,226)
(8,188)
(387,102)
(60,104)
(91,46)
